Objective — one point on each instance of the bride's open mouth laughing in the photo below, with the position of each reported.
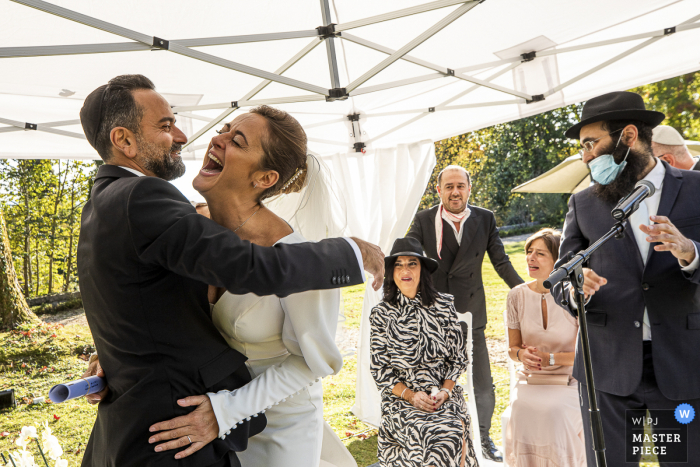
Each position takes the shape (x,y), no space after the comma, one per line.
(214,165)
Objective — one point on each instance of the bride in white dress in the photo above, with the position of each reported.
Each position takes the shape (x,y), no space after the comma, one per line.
(289,341)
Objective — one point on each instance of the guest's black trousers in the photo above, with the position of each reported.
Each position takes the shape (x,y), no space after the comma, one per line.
(613,410)
(484,391)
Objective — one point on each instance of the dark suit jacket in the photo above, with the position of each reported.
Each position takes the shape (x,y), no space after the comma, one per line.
(459,271)
(616,311)
(144,259)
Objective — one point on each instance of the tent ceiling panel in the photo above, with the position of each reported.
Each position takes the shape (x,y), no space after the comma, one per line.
(461,77)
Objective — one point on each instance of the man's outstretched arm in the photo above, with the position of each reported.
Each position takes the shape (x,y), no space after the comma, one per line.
(499,258)
(167,231)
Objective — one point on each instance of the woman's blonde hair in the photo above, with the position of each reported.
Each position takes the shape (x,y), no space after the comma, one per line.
(551,239)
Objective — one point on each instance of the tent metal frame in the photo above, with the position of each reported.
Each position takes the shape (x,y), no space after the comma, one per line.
(327,33)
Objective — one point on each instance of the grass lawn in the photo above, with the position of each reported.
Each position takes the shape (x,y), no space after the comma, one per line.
(33,362)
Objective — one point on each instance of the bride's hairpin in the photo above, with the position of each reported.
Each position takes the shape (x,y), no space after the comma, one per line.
(291,180)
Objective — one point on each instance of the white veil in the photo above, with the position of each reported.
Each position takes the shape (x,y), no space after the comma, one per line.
(318,211)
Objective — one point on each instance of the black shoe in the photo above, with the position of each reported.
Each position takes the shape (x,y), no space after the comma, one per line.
(489,450)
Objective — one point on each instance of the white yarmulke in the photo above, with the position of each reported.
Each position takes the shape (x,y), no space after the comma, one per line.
(664,134)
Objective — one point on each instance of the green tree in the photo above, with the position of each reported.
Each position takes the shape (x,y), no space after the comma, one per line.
(679,99)
(502,157)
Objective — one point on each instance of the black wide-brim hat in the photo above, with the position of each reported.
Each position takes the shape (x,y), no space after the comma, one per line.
(620,105)
(407,247)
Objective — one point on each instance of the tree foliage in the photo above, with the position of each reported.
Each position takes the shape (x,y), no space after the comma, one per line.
(503,156)
(42,203)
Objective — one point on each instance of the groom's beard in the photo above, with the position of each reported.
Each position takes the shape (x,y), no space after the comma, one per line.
(624,183)
(163,165)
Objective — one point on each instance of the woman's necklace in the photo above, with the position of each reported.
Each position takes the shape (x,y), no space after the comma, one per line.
(254,213)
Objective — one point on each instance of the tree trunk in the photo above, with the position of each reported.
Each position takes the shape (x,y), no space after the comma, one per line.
(54,221)
(69,264)
(13,306)
(27,263)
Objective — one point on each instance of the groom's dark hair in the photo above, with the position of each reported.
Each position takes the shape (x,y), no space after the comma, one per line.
(113,106)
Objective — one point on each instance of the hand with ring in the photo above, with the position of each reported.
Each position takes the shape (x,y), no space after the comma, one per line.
(422,401)
(193,431)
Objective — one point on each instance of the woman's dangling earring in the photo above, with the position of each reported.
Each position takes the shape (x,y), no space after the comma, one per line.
(255,185)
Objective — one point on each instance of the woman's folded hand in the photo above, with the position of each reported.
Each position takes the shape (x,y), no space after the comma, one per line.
(531,358)
(422,401)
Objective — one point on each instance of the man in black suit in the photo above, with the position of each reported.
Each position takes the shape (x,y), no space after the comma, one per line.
(643,314)
(669,146)
(145,258)
(463,235)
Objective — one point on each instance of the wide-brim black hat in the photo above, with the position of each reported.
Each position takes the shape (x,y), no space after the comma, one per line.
(621,105)
(408,247)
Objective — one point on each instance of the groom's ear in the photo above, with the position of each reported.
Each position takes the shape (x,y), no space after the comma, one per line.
(123,141)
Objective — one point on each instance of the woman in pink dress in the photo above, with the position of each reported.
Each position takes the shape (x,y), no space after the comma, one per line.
(545,427)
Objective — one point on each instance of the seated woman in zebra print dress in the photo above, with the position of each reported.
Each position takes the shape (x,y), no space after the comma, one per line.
(417,345)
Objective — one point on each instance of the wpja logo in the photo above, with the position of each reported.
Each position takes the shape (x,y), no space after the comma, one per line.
(662,433)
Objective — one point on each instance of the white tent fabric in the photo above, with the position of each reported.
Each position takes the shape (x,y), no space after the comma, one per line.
(388,73)
(412,70)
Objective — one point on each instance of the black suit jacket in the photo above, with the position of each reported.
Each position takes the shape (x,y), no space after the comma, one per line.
(615,312)
(144,259)
(459,271)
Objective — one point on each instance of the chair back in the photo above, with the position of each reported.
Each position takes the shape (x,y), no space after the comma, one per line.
(511,364)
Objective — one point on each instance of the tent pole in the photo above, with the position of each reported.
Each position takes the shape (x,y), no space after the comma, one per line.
(430,32)
(396,84)
(167,45)
(259,87)
(330,46)
(388,51)
(80,49)
(43,125)
(495,87)
(544,53)
(399,14)
(250,103)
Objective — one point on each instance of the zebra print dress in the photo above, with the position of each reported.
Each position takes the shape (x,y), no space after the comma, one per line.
(421,347)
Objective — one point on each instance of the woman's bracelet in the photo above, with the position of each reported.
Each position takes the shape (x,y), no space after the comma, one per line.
(517,355)
(449,393)
(404,390)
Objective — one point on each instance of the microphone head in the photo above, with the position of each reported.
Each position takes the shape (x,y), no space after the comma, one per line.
(647,184)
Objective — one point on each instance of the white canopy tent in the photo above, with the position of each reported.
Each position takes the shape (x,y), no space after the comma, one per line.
(359,75)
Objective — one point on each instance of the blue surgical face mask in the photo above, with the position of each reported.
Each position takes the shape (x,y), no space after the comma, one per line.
(604,169)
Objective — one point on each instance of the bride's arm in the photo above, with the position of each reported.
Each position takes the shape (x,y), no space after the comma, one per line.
(309,336)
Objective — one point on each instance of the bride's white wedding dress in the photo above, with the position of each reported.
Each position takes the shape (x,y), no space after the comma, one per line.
(290,345)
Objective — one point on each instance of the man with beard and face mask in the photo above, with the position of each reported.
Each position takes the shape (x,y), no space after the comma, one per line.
(457,235)
(642,290)
(145,258)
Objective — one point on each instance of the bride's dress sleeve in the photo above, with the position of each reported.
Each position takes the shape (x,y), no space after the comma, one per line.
(308,334)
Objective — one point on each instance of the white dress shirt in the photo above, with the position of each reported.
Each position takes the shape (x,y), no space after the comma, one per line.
(697,161)
(458,233)
(650,207)
(352,243)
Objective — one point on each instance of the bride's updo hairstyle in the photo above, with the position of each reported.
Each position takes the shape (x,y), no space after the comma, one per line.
(284,151)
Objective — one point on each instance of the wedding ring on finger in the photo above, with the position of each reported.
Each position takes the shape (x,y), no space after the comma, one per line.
(190,439)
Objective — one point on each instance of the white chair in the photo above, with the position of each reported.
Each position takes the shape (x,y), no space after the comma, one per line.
(471,400)
(505,416)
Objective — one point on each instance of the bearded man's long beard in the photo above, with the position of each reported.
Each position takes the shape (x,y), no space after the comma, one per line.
(637,162)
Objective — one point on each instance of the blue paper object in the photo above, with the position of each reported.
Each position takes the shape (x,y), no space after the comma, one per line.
(78,388)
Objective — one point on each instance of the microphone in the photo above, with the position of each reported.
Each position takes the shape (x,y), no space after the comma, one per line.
(630,203)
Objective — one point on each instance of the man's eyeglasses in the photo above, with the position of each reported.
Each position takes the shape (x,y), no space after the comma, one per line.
(589,145)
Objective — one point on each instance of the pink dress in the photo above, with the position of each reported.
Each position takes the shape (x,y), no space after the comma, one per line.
(545,427)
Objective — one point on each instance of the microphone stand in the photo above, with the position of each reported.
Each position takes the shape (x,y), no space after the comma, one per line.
(573,271)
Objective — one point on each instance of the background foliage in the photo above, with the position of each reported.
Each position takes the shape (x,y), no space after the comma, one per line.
(503,156)
(42,201)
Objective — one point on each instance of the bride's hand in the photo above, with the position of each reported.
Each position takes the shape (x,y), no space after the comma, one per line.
(194,430)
